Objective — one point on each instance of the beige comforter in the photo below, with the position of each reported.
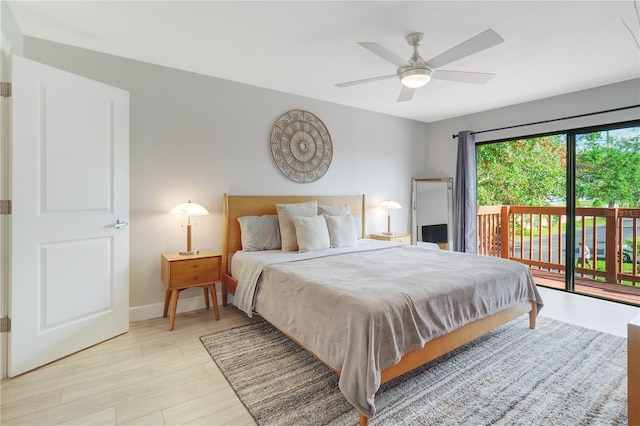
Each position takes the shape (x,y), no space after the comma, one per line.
(361,311)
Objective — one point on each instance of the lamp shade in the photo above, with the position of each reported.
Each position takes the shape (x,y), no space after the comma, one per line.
(189,209)
(389,205)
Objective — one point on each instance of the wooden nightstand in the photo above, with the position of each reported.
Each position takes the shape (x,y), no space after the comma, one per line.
(185,271)
(396,238)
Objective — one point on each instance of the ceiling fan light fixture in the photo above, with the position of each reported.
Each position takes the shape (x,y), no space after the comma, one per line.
(416,72)
(415,77)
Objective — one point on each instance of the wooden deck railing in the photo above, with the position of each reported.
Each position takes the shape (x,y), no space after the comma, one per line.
(536,236)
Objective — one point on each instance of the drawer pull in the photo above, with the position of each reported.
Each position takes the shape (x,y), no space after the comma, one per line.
(195,266)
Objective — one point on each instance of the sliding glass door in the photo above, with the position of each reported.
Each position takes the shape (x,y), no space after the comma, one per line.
(521,189)
(607,214)
(567,205)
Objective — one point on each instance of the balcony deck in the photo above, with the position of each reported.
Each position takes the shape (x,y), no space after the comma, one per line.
(535,236)
(617,292)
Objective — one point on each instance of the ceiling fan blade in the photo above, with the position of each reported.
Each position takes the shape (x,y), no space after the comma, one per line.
(384,53)
(366,80)
(475,44)
(406,94)
(463,76)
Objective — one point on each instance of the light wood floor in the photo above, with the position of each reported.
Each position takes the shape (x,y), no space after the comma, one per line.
(150,376)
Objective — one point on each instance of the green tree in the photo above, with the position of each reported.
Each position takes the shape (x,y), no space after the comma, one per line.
(521,172)
(608,169)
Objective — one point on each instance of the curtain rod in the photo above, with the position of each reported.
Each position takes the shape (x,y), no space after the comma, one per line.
(553,119)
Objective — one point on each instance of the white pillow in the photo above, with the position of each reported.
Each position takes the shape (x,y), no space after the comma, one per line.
(259,232)
(311,232)
(286,213)
(357,220)
(342,231)
(339,210)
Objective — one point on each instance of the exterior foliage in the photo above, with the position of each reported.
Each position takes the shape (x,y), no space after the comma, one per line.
(608,169)
(527,172)
(532,172)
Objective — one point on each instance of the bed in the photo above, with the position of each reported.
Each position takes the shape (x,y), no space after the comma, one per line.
(374,323)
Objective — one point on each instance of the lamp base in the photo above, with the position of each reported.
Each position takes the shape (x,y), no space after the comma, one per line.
(186,252)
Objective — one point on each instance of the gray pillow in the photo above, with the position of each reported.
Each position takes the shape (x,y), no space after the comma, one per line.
(339,210)
(259,233)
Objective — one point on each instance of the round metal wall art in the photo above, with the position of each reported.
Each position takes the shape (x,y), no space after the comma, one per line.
(301,146)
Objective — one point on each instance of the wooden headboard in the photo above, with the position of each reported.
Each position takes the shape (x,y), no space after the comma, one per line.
(235,206)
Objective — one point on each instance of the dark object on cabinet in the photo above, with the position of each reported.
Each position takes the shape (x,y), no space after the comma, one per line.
(435,233)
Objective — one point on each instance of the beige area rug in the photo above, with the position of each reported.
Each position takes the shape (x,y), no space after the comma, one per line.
(557,374)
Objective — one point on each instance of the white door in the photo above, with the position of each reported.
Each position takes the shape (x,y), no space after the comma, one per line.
(70,186)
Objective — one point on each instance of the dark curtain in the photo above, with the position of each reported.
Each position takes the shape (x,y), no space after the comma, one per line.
(465,206)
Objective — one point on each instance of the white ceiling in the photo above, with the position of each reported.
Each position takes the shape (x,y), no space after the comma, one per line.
(305,48)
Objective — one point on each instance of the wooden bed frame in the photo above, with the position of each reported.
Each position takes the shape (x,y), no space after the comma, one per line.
(235,206)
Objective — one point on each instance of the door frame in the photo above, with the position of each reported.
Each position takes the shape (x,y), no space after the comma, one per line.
(5,219)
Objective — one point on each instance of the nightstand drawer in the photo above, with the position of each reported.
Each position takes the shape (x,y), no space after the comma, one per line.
(405,239)
(193,265)
(194,277)
(396,238)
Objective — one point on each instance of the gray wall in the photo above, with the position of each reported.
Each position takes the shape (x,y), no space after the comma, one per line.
(442,148)
(197,137)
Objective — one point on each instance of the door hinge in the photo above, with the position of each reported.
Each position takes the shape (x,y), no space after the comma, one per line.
(5,89)
(5,206)
(5,325)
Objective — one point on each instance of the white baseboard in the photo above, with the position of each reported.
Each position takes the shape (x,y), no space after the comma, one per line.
(185,304)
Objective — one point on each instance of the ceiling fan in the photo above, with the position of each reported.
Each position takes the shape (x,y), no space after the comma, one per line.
(416,72)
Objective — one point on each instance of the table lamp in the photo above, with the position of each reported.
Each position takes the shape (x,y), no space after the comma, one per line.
(388,206)
(189,209)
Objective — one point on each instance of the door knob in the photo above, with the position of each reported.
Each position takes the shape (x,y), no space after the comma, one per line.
(121,224)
